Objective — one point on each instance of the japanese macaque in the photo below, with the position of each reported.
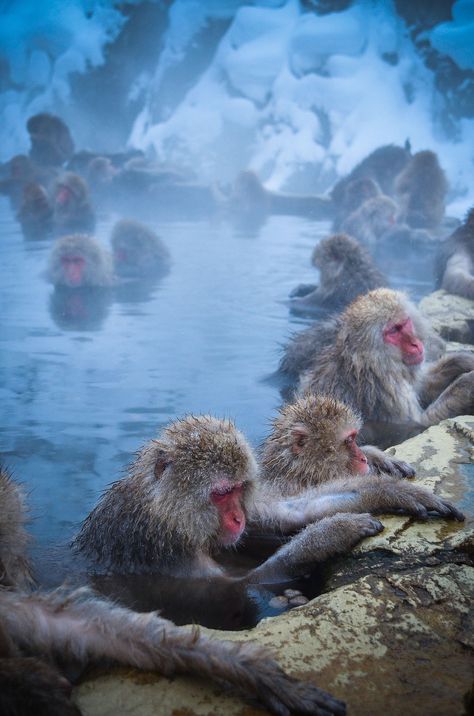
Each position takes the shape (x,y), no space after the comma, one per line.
(455,264)
(39,631)
(356,192)
(314,442)
(51,141)
(72,209)
(249,196)
(421,189)
(137,251)
(20,172)
(371,220)
(79,261)
(346,271)
(381,166)
(312,455)
(191,493)
(376,364)
(35,213)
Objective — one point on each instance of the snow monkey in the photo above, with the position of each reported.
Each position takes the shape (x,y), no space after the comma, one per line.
(79,261)
(75,627)
(376,363)
(137,251)
(51,141)
(455,264)
(35,213)
(191,492)
(421,189)
(346,271)
(71,204)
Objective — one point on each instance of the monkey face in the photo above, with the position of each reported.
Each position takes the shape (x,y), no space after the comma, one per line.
(401,335)
(356,460)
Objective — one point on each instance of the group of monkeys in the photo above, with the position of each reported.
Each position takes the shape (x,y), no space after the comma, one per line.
(198,487)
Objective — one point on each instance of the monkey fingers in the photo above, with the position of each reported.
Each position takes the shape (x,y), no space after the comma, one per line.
(381,463)
(417,501)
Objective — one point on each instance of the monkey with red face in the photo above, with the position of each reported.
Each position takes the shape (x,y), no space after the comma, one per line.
(376,363)
(71,206)
(39,630)
(78,261)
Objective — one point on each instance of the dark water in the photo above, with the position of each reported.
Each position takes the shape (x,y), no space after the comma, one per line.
(79,392)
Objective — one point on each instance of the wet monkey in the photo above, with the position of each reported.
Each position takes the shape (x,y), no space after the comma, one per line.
(191,493)
(137,251)
(79,261)
(421,189)
(39,630)
(346,271)
(35,213)
(71,204)
(51,141)
(371,220)
(313,441)
(376,363)
(455,263)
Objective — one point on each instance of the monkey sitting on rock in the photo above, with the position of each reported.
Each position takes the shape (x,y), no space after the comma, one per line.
(39,631)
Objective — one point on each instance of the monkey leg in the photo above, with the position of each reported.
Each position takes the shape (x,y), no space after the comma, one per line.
(77,625)
(456,399)
(317,542)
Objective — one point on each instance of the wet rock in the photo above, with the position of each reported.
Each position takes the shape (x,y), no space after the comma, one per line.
(280,602)
(392,634)
(451,316)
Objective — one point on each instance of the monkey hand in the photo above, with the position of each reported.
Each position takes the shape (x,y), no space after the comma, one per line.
(416,500)
(285,696)
(381,463)
(302,289)
(337,534)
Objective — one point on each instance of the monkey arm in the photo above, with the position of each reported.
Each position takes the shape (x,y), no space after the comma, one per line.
(317,542)
(77,625)
(456,399)
(29,686)
(380,462)
(458,276)
(376,494)
(440,375)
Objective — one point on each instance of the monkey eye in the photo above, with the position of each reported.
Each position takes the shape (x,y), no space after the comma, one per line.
(350,440)
(396,328)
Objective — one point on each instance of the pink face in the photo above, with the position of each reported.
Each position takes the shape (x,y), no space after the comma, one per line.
(402,335)
(63,195)
(227,497)
(357,462)
(73,268)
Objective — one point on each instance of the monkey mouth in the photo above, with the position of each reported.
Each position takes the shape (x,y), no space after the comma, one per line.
(414,359)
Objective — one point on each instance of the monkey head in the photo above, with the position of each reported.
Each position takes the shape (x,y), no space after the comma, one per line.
(204,472)
(381,213)
(70,189)
(79,261)
(313,441)
(332,253)
(382,323)
(137,250)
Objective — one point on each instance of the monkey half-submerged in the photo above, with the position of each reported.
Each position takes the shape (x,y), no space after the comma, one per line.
(38,631)
(192,492)
(374,360)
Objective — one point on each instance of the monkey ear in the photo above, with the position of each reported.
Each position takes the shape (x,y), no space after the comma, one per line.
(162,461)
(299,436)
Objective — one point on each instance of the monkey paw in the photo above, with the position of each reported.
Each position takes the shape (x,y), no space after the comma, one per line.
(382,463)
(419,502)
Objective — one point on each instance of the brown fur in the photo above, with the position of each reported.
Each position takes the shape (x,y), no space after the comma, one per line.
(51,141)
(421,189)
(371,220)
(140,525)
(360,369)
(455,264)
(356,192)
(77,215)
(77,628)
(14,566)
(35,213)
(346,271)
(98,267)
(137,250)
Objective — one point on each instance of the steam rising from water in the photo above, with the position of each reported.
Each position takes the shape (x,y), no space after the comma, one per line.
(298,97)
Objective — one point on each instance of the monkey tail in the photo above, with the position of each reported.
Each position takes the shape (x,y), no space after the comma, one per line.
(78,625)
